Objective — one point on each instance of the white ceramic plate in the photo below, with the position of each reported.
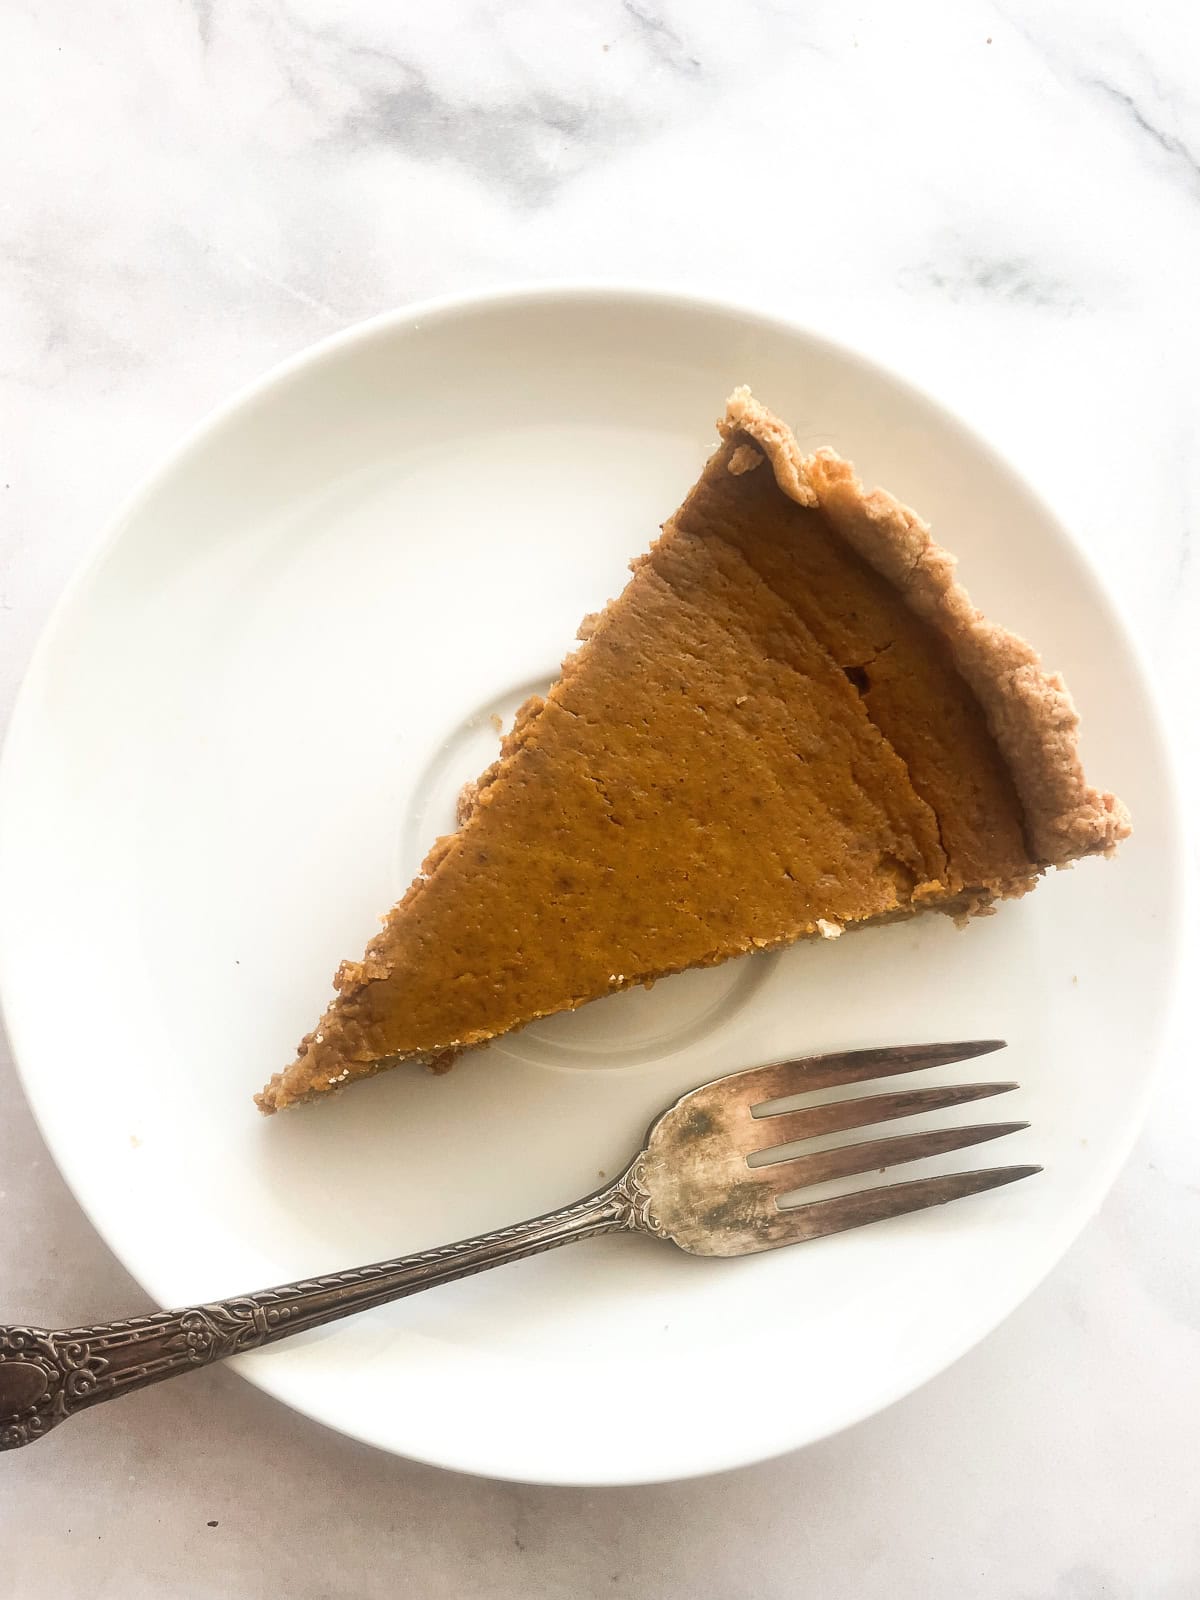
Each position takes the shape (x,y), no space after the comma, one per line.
(249,717)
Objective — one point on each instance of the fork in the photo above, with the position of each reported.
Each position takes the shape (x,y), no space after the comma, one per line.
(715,1176)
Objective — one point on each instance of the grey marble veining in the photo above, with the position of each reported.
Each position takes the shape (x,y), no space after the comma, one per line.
(1002,200)
(1143,87)
(990,279)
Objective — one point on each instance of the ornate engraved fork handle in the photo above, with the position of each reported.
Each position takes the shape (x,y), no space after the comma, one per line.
(46,1375)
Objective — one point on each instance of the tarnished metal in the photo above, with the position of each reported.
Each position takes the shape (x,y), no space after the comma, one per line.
(692,1184)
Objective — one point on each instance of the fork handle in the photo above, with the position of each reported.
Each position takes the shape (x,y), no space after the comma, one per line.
(46,1375)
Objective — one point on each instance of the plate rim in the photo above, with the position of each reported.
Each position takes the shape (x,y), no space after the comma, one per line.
(647,295)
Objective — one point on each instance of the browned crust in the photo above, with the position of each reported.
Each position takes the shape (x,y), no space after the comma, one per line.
(1029,711)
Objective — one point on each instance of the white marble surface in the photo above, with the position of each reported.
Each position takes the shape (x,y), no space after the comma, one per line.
(1002,201)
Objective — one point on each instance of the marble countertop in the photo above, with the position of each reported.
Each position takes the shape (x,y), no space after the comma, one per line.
(1001,201)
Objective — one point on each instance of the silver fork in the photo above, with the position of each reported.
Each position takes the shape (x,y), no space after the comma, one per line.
(713,1177)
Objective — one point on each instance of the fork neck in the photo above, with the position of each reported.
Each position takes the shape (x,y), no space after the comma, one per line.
(620,1206)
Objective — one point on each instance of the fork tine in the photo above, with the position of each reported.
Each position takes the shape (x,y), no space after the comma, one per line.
(768,1133)
(782,1079)
(801,1172)
(819,1217)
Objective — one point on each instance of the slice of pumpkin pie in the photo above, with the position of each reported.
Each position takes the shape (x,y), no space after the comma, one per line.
(791,722)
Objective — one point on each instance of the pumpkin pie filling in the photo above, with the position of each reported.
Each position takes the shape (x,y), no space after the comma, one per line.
(790,723)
